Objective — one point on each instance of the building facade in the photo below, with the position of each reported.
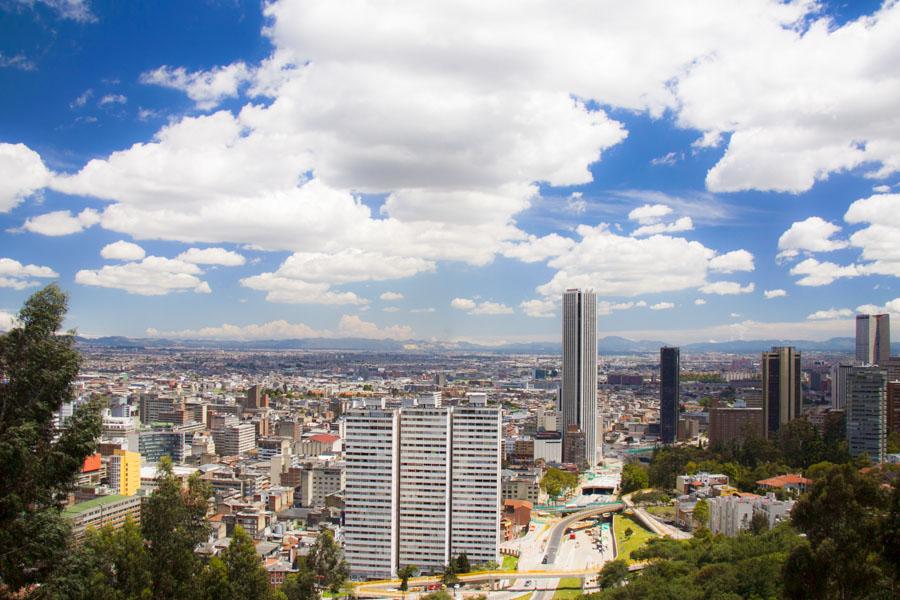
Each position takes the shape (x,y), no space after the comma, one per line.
(669,393)
(781,388)
(124,472)
(873,339)
(866,414)
(734,424)
(578,400)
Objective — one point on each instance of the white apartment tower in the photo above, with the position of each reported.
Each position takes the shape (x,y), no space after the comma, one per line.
(873,339)
(422,486)
(578,401)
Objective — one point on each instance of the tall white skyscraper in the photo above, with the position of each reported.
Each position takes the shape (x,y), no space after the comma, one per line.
(578,401)
(422,486)
(873,339)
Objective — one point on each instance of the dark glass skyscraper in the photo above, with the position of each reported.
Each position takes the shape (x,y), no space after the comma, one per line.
(669,392)
(781,387)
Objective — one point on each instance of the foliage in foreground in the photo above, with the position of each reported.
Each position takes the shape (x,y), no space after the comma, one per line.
(556,482)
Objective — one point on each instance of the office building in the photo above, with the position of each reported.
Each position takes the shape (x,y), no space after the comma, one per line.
(151,405)
(235,440)
(548,446)
(153,445)
(735,425)
(573,446)
(669,393)
(578,400)
(319,481)
(866,414)
(124,471)
(839,386)
(422,485)
(781,388)
(101,511)
(893,407)
(873,339)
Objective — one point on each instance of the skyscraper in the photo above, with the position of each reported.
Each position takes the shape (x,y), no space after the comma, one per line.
(578,401)
(867,412)
(873,339)
(669,393)
(781,387)
(422,486)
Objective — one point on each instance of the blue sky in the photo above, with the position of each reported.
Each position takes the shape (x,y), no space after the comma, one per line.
(238,170)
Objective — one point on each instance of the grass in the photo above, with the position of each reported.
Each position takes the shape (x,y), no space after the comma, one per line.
(626,545)
(665,512)
(510,563)
(568,588)
(524,596)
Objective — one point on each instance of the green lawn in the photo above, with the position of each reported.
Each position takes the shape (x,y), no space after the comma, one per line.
(638,538)
(664,512)
(568,588)
(524,596)
(510,563)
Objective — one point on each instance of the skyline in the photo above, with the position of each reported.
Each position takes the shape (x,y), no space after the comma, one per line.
(448,174)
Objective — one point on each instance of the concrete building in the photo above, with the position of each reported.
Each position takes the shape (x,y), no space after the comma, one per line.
(153,445)
(548,446)
(422,485)
(781,388)
(124,471)
(893,407)
(866,414)
(235,440)
(516,486)
(573,446)
(734,424)
(839,386)
(101,511)
(150,405)
(669,393)
(578,400)
(729,515)
(873,339)
(317,482)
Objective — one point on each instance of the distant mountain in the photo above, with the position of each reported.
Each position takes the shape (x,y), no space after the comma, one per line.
(608,345)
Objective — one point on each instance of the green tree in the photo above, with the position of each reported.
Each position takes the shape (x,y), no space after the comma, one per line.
(212,583)
(613,573)
(37,368)
(173,522)
(701,514)
(759,523)
(326,560)
(893,442)
(247,579)
(404,573)
(556,482)
(634,478)
(462,564)
(438,595)
(842,518)
(301,585)
(448,575)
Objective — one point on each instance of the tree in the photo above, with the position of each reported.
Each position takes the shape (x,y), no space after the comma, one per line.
(37,368)
(556,482)
(759,523)
(629,532)
(173,522)
(462,564)
(613,573)
(438,595)
(405,572)
(213,581)
(634,478)
(701,514)
(301,585)
(326,560)
(247,579)
(842,517)
(448,576)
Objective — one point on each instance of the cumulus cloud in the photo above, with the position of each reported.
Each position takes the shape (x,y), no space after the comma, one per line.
(536,249)
(815,273)
(428,309)
(22,173)
(812,235)
(112,99)
(727,288)
(474,307)
(7,320)
(348,326)
(539,308)
(152,276)
(777,293)
(122,250)
(391,296)
(296,291)
(699,301)
(680,224)
(17,276)
(61,222)
(892,306)
(662,306)
(830,314)
(649,213)
(605,307)
(206,88)
(354,326)
(212,256)
(879,239)
(731,262)
(75,10)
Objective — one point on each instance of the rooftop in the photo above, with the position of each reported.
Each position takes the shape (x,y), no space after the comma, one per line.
(93,503)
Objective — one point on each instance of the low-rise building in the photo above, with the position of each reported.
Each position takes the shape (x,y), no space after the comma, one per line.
(98,512)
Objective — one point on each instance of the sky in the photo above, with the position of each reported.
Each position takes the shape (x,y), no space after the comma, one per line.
(444,171)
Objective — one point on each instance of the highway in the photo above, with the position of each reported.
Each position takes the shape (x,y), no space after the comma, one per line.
(556,534)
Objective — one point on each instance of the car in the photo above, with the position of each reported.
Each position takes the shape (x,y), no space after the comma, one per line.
(544,561)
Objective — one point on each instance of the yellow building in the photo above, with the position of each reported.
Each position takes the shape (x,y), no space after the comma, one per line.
(125,472)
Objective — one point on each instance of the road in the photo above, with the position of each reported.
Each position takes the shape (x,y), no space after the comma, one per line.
(656,526)
(559,529)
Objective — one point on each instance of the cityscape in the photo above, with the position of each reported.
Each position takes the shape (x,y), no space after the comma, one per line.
(439,301)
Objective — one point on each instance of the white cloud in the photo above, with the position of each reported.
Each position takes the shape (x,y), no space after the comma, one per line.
(881,189)
(831,314)
(731,262)
(17,61)
(22,173)
(152,276)
(7,320)
(649,213)
(15,275)
(891,307)
(536,249)
(777,293)
(122,250)
(879,240)
(429,309)
(539,308)
(391,296)
(699,301)
(82,99)
(206,88)
(473,307)
(727,288)
(62,222)
(353,326)
(662,306)
(112,99)
(605,307)
(295,291)
(390,309)
(76,10)
(575,204)
(748,330)
(212,256)
(815,273)
(680,224)
(669,159)
(812,235)
(348,326)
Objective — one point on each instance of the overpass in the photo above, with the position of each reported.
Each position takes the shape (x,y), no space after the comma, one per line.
(559,529)
(563,509)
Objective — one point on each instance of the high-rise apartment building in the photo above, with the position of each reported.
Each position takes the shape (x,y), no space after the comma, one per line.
(734,424)
(124,471)
(781,388)
(578,400)
(893,407)
(873,339)
(839,375)
(235,440)
(866,415)
(422,486)
(669,393)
